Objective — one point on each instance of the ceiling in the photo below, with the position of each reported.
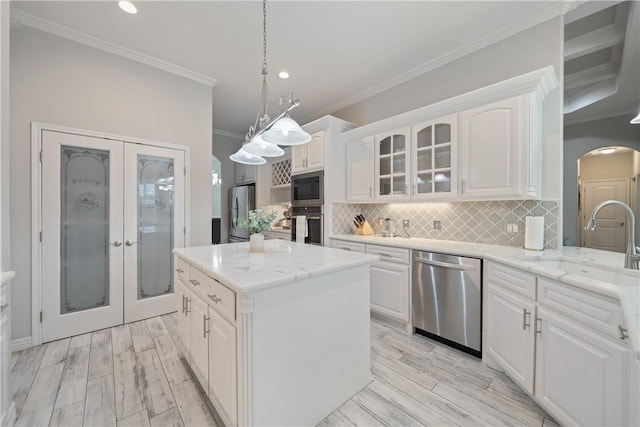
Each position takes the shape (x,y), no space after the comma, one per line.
(337,52)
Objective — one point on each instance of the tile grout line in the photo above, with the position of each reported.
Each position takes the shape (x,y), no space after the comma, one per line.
(165,373)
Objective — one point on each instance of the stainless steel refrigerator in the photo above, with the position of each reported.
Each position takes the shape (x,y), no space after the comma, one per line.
(242,199)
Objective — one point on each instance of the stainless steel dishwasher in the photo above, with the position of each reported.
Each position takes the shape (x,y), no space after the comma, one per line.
(447,299)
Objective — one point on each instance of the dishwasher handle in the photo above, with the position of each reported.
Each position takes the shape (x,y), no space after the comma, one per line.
(445,264)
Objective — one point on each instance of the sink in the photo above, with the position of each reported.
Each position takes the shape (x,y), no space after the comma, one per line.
(613,275)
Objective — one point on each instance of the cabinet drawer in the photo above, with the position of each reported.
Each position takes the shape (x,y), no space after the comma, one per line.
(221,299)
(198,281)
(402,256)
(600,312)
(347,246)
(515,280)
(181,268)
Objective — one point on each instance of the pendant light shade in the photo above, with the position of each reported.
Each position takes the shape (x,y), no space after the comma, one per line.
(243,157)
(635,120)
(259,147)
(286,132)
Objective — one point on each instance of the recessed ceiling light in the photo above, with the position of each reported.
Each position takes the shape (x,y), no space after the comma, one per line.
(127,6)
(283,75)
(608,150)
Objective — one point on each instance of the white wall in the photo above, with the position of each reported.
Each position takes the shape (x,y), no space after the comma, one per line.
(532,49)
(580,139)
(5,23)
(57,81)
(223,147)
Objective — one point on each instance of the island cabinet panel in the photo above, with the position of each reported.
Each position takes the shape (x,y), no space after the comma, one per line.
(199,338)
(223,385)
(183,296)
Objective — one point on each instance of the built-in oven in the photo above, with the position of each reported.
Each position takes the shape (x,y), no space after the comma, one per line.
(314,219)
(307,189)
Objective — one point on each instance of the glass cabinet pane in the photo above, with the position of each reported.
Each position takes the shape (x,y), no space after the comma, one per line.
(385,186)
(398,163)
(385,166)
(424,137)
(442,182)
(423,183)
(443,157)
(443,133)
(399,186)
(84,229)
(424,160)
(385,146)
(398,143)
(155,225)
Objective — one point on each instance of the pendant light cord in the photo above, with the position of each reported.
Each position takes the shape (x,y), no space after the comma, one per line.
(264,58)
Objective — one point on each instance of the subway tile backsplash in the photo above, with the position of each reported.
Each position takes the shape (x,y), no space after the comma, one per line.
(476,222)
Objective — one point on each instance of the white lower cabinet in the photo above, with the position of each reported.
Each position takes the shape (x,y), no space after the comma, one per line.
(580,375)
(569,337)
(207,338)
(390,290)
(510,336)
(199,339)
(222,365)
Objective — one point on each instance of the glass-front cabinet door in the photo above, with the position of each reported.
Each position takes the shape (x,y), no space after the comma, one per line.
(433,157)
(392,164)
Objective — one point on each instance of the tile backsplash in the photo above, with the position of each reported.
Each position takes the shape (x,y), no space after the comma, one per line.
(476,222)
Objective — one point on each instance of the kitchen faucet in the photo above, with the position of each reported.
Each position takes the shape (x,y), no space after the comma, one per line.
(631,257)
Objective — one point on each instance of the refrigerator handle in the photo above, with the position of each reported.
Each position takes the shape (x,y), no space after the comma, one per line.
(237,213)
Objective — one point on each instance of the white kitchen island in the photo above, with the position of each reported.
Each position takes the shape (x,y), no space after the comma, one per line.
(275,338)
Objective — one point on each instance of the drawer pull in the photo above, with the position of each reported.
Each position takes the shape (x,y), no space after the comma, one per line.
(214,298)
(385,254)
(187,311)
(194,282)
(525,321)
(538,322)
(623,333)
(179,270)
(183,304)
(345,249)
(205,321)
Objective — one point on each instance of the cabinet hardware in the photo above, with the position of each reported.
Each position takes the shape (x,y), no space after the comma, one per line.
(525,321)
(623,333)
(462,185)
(385,254)
(187,310)
(179,270)
(183,305)
(345,249)
(214,298)
(205,331)
(194,282)
(3,307)
(370,192)
(538,322)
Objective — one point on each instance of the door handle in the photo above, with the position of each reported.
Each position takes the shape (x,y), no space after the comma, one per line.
(130,242)
(116,243)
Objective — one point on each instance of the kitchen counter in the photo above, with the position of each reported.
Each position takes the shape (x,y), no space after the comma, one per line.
(281,262)
(623,285)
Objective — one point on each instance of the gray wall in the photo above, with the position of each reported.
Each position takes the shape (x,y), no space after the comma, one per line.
(529,50)
(579,139)
(57,81)
(223,147)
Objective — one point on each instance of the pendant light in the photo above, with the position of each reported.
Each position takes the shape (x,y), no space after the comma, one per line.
(261,140)
(635,120)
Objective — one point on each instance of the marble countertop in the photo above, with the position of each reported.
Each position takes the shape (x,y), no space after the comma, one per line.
(628,294)
(6,276)
(281,262)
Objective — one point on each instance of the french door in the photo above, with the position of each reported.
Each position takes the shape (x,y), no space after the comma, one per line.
(111,214)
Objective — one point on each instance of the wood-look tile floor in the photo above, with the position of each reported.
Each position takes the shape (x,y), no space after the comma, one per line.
(132,375)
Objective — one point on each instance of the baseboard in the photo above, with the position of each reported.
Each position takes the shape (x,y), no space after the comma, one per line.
(20,344)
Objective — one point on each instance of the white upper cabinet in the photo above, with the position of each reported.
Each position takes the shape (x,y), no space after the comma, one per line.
(499,151)
(245,174)
(392,164)
(309,156)
(433,158)
(359,157)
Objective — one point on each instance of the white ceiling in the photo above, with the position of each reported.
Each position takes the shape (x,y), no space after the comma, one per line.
(336,52)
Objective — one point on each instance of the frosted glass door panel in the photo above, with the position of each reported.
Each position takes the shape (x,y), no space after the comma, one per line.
(155,226)
(84,229)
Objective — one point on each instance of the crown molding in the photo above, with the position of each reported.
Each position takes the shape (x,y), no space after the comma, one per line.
(228,134)
(22,18)
(557,9)
(601,116)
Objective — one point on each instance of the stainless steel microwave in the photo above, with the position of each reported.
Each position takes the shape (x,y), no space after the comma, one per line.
(307,189)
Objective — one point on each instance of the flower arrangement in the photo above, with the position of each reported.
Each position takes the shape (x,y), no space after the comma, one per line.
(258,221)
